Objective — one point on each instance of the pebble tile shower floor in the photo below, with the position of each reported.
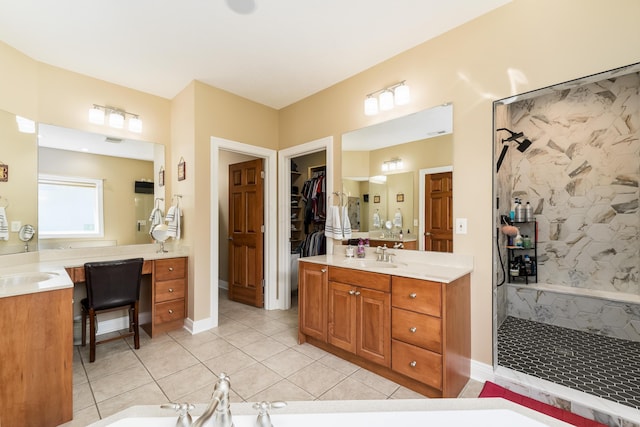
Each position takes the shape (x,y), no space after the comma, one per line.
(599,365)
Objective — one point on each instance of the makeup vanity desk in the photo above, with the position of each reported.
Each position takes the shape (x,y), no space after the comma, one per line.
(164,277)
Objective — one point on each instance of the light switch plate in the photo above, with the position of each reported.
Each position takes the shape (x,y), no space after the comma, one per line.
(415,222)
(461,225)
(15,226)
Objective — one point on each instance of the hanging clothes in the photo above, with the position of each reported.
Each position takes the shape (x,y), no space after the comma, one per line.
(313,195)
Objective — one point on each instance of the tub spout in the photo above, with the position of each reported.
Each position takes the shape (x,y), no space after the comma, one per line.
(219,406)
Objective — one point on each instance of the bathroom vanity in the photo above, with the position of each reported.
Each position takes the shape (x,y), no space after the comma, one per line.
(408,321)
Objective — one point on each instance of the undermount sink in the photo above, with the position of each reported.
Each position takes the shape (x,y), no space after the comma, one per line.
(369,263)
(26,278)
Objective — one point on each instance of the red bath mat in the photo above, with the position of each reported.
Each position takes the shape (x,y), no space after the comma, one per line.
(493,390)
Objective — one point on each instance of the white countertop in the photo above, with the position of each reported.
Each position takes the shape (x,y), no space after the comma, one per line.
(17,269)
(434,266)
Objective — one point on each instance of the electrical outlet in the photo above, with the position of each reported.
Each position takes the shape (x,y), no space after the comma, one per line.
(415,222)
(461,225)
(15,226)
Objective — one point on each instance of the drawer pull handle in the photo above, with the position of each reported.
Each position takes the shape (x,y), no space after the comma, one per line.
(357,293)
(170,268)
(413,364)
(352,292)
(413,295)
(413,329)
(170,311)
(170,289)
(324,270)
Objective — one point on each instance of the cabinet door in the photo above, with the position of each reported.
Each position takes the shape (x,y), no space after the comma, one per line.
(342,316)
(312,300)
(374,326)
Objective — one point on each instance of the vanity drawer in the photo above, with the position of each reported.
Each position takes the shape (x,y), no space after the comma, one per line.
(417,363)
(168,290)
(417,329)
(362,279)
(422,296)
(169,311)
(168,269)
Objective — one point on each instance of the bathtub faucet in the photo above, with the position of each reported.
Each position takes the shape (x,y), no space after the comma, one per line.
(219,406)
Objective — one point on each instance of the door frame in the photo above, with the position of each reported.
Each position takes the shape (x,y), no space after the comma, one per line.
(284,206)
(421,199)
(270,219)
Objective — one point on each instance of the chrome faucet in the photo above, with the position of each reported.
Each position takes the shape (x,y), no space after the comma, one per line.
(219,406)
(382,253)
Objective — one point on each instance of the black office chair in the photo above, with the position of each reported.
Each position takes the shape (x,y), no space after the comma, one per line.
(111,285)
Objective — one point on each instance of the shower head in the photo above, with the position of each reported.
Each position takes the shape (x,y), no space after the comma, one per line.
(513,137)
(522,146)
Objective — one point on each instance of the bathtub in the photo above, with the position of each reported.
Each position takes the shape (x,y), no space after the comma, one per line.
(422,412)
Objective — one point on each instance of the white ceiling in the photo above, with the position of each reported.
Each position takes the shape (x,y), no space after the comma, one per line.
(284,51)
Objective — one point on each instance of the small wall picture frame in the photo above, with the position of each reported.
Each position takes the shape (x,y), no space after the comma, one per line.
(161,177)
(182,172)
(400,197)
(376,199)
(4,172)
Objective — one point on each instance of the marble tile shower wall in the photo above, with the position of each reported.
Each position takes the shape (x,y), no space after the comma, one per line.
(581,175)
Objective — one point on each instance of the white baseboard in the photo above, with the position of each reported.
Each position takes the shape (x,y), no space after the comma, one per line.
(223,284)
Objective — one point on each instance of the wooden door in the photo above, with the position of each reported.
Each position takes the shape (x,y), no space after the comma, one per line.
(342,316)
(246,207)
(374,326)
(438,210)
(312,300)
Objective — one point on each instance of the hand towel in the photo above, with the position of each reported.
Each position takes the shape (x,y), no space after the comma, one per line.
(346,223)
(397,219)
(4,224)
(173,221)
(332,227)
(155,219)
(376,220)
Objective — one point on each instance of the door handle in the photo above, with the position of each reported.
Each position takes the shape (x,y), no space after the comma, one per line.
(352,292)
(230,238)
(324,270)
(413,295)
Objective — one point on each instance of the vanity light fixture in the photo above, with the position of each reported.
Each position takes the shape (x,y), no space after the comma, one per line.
(117,117)
(392,165)
(386,98)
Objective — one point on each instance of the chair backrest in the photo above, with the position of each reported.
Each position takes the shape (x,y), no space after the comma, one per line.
(113,283)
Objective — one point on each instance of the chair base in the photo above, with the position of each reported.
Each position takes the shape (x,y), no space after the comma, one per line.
(134,328)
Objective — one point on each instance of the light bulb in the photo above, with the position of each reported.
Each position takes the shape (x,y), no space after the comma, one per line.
(96,115)
(370,106)
(135,125)
(402,95)
(386,100)
(116,120)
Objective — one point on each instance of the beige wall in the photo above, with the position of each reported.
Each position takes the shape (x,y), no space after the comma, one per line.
(471,66)
(119,176)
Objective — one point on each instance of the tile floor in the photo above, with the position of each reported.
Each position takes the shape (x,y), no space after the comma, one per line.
(596,364)
(257,348)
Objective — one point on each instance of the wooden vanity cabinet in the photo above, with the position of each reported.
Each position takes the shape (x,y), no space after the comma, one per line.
(169,295)
(36,359)
(312,302)
(359,313)
(431,332)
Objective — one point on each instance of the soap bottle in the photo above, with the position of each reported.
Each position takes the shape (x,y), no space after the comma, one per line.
(512,212)
(360,251)
(518,240)
(519,212)
(528,212)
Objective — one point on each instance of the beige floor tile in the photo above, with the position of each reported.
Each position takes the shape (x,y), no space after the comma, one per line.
(209,349)
(270,327)
(283,391)
(405,393)
(148,394)
(111,385)
(316,378)
(338,364)
(230,363)
(230,328)
(311,351)
(287,362)
(168,359)
(351,389)
(245,338)
(253,379)
(111,364)
(180,384)
(105,350)
(79,374)
(83,417)
(288,337)
(375,381)
(82,397)
(263,349)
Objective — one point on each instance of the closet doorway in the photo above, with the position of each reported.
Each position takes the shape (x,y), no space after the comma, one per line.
(301,230)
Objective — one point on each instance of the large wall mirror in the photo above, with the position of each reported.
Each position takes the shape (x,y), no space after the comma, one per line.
(382,164)
(125,170)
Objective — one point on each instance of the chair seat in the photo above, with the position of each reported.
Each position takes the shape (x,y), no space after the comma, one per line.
(106,305)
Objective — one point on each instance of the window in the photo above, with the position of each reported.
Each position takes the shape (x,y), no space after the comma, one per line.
(69,207)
